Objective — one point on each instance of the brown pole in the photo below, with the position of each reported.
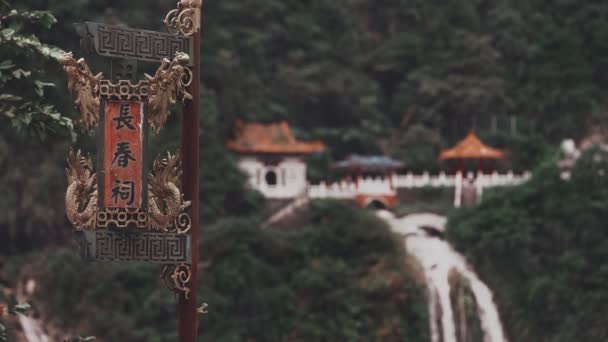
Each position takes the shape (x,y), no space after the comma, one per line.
(187,307)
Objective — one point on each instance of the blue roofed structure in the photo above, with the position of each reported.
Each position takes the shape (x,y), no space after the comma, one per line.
(362,163)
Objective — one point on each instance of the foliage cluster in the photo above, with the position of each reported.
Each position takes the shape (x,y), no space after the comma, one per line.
(343,278)
(541,248)
(22,75)
(32,132)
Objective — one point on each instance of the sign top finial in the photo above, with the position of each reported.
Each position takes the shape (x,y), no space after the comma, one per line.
(185,19)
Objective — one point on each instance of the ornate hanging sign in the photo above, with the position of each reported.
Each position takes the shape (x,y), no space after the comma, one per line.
(130,209)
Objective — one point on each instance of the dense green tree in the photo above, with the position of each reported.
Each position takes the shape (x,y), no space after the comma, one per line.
(540,247)
(32,131)
(23,87)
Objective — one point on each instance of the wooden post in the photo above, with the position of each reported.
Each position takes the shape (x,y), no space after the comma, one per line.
(187,307)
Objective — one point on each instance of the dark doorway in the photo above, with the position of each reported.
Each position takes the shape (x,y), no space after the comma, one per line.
(271,178)
(376,205)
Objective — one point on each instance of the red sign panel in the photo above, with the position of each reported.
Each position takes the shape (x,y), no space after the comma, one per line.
(123,154)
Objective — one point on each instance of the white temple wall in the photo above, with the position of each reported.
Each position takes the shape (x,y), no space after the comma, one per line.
(287,179)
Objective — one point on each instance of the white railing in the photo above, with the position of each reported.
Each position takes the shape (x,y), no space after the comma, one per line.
(377,186)
(495,179)
(411,180)
(275,191)
(342,190)
(482,181)
(442,180)
(388,186)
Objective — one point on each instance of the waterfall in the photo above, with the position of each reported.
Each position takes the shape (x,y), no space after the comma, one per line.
(438,259)
(32,329)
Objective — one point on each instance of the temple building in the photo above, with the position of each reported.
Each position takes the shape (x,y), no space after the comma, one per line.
(469,185)
(272,157)
(471,149)
(373,178)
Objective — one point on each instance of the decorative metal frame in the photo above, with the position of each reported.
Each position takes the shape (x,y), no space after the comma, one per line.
(122,218)
(185,19)
(181,225)
(128,43)
(122,245)
(175,278)
(123,69)
(124,90)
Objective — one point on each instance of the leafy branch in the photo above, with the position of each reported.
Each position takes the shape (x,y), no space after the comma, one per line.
(5,310)
(23,98)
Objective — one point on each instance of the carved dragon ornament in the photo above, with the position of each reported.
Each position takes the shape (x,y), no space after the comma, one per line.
(166,207)
(81,195)
(170,80)
(84,89)
(165,201)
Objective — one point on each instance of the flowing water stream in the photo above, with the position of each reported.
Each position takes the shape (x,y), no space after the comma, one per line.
(438,259)
(33,330)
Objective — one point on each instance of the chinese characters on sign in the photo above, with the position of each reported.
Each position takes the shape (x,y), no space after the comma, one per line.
(123,154)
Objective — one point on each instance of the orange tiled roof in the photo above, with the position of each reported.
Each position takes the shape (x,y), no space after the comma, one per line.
(471,148)
(275,138)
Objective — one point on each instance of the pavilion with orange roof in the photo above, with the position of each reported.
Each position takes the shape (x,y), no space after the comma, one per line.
(272,157)
(471,148)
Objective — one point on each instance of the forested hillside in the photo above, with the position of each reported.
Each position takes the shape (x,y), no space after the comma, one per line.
(542,247)
(403,77)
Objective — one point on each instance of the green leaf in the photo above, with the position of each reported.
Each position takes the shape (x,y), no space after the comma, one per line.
(21,73)
(39,89)
(44,18)
(22,308)
(7,33)
(10,97)
(6,64)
